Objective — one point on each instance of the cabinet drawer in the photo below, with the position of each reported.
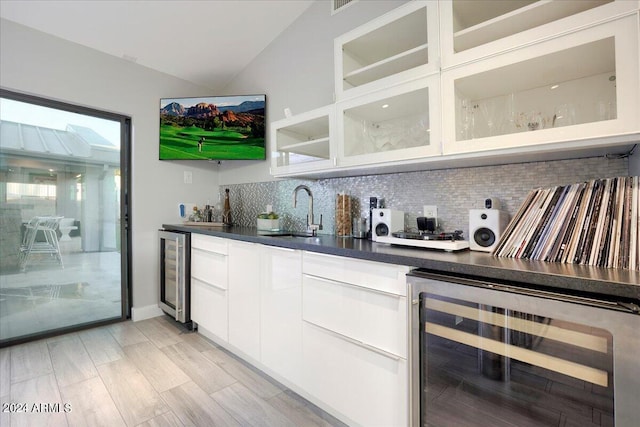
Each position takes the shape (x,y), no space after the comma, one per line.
(209,243)
(369,388)
(209,308)
(383,277)
(373,318)
(209,267)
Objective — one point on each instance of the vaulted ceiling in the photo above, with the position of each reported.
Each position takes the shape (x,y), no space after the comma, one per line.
(206,42)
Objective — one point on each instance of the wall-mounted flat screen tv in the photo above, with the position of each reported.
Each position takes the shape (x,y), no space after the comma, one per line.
(213,128)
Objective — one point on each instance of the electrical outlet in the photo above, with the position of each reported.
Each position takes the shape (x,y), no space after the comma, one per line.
(430,211)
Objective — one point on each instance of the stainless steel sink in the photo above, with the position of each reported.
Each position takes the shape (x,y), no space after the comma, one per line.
(284,234)
(293,235)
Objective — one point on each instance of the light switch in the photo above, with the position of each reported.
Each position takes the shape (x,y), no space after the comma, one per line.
(188,177)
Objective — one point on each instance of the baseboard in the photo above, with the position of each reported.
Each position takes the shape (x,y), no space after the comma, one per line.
(146,312)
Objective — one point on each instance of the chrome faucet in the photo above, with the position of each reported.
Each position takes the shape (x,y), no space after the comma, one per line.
(311,227)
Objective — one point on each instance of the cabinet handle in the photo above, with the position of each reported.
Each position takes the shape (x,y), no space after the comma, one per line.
(320,254)
(207,251)
(351,285)
(355,341)
(282,249)
(213,285)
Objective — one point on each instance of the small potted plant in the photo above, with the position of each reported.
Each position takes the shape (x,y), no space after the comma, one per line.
(268,221)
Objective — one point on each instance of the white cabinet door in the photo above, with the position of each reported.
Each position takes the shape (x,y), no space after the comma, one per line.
(209,308)
(374,318)
(400,122)
(304,142)
(281,311)
(367,387)
(378,276)
(577,91)
(471,30)
(355,338)
(209,267)
(244,297)
(209,284)
(396,47)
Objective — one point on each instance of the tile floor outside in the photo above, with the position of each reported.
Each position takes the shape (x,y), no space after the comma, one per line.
(148,373)
(46,296)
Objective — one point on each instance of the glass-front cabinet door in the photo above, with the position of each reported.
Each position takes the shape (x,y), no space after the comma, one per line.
(472,29)
(395,124)
(578,88)
(303,142)
(398,46)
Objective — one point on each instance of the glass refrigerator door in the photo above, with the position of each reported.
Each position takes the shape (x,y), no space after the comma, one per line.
(487,365)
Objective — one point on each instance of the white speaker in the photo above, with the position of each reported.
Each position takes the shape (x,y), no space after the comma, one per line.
(485,228)
(385,221)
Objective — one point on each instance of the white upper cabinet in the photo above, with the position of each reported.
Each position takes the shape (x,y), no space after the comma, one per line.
(432,82)
(398,123)
(398,46)
(303,142)
(577,90)
(473,29)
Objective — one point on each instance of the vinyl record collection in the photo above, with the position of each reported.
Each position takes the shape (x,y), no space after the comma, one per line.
(591,223)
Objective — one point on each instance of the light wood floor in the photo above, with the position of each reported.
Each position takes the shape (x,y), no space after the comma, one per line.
(148,373)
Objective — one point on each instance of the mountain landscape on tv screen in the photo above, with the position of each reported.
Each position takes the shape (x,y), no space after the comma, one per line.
(205,130)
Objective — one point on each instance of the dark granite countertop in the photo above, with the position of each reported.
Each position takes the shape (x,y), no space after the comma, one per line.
(609,282)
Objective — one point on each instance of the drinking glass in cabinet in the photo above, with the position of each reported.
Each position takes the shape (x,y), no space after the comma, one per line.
(488,109)
(565,115)
(389,124)
(467,119)
(565,88)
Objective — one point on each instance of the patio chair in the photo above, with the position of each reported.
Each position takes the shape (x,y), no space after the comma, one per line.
(66,226)
(30,245)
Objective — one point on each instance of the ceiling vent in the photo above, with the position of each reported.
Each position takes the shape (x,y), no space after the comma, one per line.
(339,5)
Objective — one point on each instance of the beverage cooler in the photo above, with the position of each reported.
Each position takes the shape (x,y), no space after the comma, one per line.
(490,354)
(175,275)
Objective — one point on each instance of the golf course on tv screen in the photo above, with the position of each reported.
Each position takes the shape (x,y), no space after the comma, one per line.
(213,128)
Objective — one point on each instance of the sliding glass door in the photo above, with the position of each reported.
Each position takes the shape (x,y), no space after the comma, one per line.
(64,185)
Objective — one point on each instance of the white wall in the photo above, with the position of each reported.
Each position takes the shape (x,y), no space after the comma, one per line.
(39,64)
(296,71)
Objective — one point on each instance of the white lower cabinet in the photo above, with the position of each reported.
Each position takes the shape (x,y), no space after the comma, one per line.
(281,311)
(244,297)
(367,387)
(209,291)
(332,328)
(209,308)
(369,316)
(355,338)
